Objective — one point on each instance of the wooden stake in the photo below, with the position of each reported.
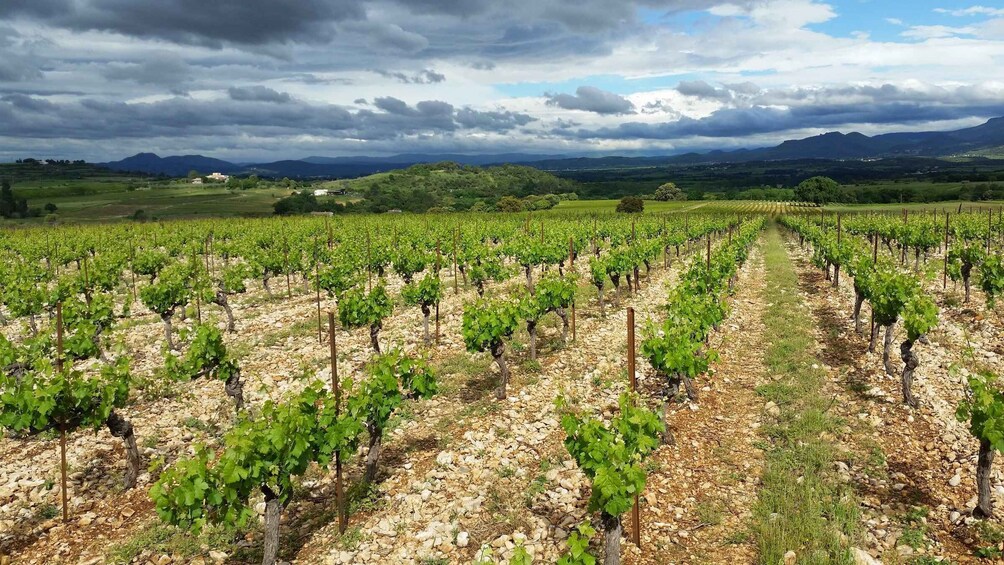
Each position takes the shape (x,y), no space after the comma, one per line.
(438,261)
(317,289)
(944,274)
(369,261)
(571,265)
(636,509)
(336,390)
(62,427)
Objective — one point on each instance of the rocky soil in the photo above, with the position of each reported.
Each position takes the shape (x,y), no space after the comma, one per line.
(464,475)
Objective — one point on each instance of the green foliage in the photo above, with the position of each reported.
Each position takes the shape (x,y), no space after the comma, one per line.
(149,262)
(920,316)
(337,277)
(983,408)
(170,291)
(611,454)
(520,556)
(425,293)
(263,453)
(631,205)
(578,547)
(891,292)
(407,262)
(992,278)
(669,191)
(206,356)
(487,324)
(509,204)
(47,399)
(818,190)
(84,324)
(554,292)
(232,280)
(358,309)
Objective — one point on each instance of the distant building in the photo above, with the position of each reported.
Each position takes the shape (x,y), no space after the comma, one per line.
(218,177)
(320,192)
(394,211)
(197,180)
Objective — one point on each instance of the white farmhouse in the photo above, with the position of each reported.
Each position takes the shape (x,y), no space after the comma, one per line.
(218,177)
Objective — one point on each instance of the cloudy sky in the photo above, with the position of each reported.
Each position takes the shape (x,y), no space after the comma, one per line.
(273,79)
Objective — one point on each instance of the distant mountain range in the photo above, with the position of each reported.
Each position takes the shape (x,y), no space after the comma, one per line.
(985,139)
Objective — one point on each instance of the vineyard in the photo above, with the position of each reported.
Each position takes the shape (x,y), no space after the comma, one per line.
(746,382)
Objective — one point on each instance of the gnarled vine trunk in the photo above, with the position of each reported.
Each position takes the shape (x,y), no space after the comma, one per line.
(836,275)
(911,361)
(221,301)
(166,317)
(967,270)
(375,337)
(122,429)
(886,357)
(599,292)
(985,504)
(529,278)
(273,512)
(426,311)
(563,314)
(874,336)
(235,389)
(373,455)
(859,300)
(498,352)
(531,328)
(611,538)
(688,385)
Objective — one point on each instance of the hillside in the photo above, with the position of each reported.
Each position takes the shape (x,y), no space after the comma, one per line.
(983,140)
(450,185)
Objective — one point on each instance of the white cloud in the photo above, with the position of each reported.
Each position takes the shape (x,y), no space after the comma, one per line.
(972,11)
(474,53)
(937,31)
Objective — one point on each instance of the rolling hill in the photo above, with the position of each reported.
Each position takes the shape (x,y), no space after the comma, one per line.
(983,140)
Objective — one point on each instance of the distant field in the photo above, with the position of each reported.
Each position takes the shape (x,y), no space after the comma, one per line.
(918,206)
(762,207)
(731,206)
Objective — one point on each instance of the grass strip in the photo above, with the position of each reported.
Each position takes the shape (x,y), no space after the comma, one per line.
(802,506)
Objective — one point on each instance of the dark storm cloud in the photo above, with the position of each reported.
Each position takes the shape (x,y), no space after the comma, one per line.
(591,99)
(492,121)
(241,22)
(258,93)
(745,122)
(14,69)
(425,76)
(701,89)
(160,70)
(256,112)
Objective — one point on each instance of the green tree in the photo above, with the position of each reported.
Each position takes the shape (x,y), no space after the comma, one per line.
(818,190)
(509,204)
(631,205)
(669,191)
